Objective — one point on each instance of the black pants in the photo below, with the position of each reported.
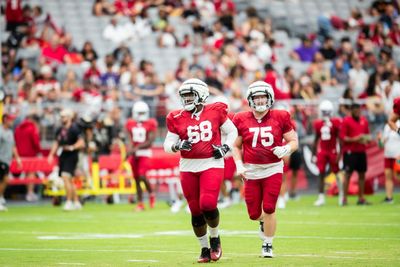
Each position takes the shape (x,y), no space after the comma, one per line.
(4,169)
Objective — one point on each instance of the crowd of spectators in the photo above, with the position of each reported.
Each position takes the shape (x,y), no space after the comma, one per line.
(44,70)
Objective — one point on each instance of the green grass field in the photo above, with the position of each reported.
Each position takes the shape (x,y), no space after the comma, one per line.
(114,235)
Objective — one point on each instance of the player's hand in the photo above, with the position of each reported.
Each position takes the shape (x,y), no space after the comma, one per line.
(183,145)
(240,168)
(281,151)
(220,151)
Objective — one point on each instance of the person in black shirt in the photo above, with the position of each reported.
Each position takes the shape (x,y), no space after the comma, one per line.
(69,141)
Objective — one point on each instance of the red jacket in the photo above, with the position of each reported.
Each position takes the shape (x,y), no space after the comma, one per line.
(27,139)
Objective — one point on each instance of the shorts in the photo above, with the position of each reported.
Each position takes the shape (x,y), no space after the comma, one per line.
(295,161)
(67,164)
(230,168)
(324,158)
(355,161)
(262,195)
(389,163)
(140,166)
(4,169)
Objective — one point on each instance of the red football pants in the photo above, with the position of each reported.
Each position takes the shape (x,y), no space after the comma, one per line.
(262,194)
(201,189)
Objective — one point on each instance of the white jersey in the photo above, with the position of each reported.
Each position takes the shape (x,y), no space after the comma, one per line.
(392,142)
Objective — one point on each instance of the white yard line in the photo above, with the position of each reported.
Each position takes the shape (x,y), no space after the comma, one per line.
(71,263)
(188,252)
(143,261)
(244,234)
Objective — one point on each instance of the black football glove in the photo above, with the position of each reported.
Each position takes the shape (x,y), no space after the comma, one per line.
(220,151)
(183,145)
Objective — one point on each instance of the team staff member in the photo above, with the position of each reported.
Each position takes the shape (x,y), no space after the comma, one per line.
(69,139)
(7,150)
(355,135)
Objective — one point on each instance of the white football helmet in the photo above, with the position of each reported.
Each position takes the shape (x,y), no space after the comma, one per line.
(140,111)
(260,88)
(326,109)
(196,87)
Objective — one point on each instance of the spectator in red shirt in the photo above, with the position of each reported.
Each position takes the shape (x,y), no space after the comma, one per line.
(272,78)
(14,14)
(27,141)
(55,52)
(355,135)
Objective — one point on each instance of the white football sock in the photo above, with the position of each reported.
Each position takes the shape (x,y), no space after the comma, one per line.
(203,240)
(268,239)
(213,231)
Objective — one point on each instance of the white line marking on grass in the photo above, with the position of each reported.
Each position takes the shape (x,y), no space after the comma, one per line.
(191,252)
(90,236)
(342,223)
(143,261)
(349,252)
(71,263)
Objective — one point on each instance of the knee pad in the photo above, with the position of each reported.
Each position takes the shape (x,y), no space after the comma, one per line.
(198,221)
(211,214)
(269,209)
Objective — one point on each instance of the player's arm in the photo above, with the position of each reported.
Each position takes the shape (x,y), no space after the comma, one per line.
(229,129)
(173,143)
(394,117)
(52,152)
(237,155)
(292,140)
(315,145)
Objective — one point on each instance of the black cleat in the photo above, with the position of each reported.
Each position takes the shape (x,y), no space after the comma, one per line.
(204,256)
(215,250)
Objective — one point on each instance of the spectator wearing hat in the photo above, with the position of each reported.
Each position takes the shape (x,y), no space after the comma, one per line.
(69,140)
(27,141)
(7,150)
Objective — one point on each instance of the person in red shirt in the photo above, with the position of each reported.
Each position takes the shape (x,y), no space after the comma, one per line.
(142,132)
(395,116)
(55,52)
(258,153)
(27,141)
(325,149)
(14,14)
(355,135)
(195,131)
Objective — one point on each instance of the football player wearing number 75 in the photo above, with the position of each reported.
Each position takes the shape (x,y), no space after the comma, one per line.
(195,131)
(258,153)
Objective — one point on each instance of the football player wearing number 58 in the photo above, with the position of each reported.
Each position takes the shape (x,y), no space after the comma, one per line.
(258,153)
(195,131)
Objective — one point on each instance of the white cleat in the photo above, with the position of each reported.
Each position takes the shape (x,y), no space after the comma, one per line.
(281,204)
(266,250)
(77,205)
(225,204)
(3,208)
(2,201)
(319,202)
(176,207)
(31,197)
(69,206)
